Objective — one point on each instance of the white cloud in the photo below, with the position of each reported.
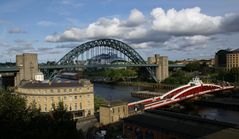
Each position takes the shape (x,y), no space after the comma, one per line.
(142,45)
(186,28)
(185,21)
(136,17)
(186,43)
(19,46)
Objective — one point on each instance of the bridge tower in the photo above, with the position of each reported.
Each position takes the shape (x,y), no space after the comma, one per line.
(28,67)
(162,69)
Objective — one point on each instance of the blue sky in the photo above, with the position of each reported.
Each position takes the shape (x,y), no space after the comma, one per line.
(180,29)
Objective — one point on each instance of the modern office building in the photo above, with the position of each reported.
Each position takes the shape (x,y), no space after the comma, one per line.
(77,96)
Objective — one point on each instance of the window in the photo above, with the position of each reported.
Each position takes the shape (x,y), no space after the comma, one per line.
(59,99)
(70,90)
(70,107)
(65,98)
(80,105)
(64,90)
(52,99)
(75,97)
(58,90)
(45,108)
(52,91)
(75,106)
(70,98)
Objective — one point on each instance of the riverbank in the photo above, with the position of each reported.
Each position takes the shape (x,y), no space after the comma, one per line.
(140,84)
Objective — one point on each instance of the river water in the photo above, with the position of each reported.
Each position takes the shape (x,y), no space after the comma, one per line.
(115,92)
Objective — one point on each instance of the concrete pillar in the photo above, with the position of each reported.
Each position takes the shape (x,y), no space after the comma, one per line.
(151,60)
(161,72)
(28,67)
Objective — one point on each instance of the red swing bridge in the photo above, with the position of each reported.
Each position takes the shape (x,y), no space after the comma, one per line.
(194,88)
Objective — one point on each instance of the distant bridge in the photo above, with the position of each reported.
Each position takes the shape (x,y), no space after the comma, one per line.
(42,67)
(96,48)
(194,88)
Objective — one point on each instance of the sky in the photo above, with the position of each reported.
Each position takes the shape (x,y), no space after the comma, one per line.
(179,29)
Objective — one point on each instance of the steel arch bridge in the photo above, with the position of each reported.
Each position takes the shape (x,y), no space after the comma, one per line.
(117,45)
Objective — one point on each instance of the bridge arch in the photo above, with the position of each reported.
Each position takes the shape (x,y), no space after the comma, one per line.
(111,43)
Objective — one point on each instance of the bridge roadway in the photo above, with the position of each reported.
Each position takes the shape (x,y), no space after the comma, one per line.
(16,69)
(190,90)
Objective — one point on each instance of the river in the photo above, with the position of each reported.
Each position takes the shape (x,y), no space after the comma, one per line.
(115,92)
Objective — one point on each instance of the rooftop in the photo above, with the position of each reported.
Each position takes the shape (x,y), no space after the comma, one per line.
(235,51)
(185,125)
(59,84)
(114,103)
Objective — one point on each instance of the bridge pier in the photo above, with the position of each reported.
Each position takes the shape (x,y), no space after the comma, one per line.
(28,67)
(161,72)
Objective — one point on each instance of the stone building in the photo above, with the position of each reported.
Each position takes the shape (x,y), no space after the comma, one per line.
(227,59)
(232,59)
(77,96)
(162,69)
(28,67)
(113,112)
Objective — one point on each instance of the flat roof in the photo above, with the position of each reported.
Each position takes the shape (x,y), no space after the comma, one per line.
(185,125)
(34,85)
(114,103)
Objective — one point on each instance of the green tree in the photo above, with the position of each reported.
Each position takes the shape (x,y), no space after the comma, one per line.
(195,66)
(18,121)
(178,78)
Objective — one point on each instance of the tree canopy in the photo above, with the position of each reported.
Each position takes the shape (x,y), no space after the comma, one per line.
(18,121)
